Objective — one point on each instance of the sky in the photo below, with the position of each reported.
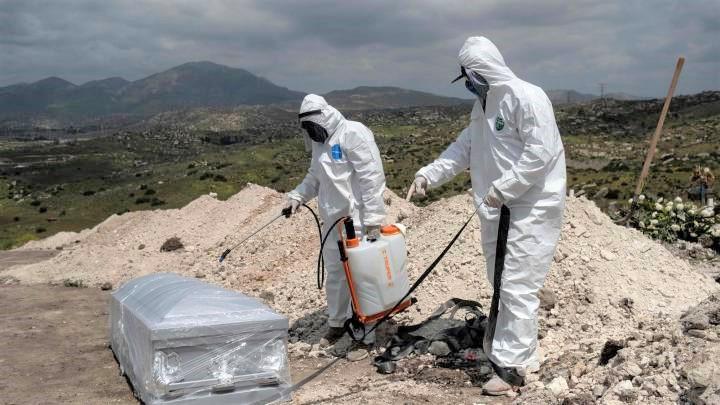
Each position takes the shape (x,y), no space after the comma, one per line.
(319,46)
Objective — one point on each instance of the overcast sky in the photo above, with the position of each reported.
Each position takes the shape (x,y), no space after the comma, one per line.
(317,46)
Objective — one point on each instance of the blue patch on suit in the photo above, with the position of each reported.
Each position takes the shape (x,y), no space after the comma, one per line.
(336,152)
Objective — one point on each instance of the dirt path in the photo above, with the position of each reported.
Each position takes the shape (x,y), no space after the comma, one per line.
(54,351)
(15,257)
(54,348)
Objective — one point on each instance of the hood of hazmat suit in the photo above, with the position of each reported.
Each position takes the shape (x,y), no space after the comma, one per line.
(513,144)
(347,177)
(346,173)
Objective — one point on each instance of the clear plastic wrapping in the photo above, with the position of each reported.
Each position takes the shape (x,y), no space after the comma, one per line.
(183,341)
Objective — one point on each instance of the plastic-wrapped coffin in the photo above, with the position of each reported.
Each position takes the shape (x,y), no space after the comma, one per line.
(182,341)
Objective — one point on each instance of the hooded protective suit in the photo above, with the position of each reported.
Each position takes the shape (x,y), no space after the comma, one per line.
(514,145)
(347,176)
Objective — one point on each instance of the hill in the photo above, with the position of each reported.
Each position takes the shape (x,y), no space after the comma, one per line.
(368,98)
(195,84)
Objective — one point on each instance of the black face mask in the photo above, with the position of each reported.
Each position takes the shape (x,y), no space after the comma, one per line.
(315,131)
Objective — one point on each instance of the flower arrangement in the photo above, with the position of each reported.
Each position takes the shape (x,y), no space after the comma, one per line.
(673,219)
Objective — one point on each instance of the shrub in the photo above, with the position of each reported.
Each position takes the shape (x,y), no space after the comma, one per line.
(40,229)
(156,201)
(149,191)
(34,203)
(142,200)
(87,193)
(42,210)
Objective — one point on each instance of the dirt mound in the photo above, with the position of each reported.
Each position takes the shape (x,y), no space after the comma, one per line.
(607,282)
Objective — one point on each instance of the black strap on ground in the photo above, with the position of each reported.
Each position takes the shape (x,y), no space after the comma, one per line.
(508,375)
(404,342)
(353,324)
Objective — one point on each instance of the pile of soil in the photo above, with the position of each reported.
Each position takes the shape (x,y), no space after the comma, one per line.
(606,283)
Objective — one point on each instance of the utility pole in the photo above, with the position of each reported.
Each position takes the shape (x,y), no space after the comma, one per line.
(602,90)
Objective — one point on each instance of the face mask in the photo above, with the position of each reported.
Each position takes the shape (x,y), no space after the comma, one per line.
(477,85)
(315,131)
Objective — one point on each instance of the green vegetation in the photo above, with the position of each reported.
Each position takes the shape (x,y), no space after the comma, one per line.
(52,186)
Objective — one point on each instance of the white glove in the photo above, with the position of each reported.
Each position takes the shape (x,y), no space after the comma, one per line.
(419,187)
(291,206)
(493,198)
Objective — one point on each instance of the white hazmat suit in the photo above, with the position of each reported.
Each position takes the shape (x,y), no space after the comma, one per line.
(513,144)
(347,176)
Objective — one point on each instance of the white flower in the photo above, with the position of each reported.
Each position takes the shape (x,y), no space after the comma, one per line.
(678,200)
(715,230)
(642,224)
(630,201)
(707,212)
(660,200)
(641,197)
(654,214)
(672,214)
(668,208)
(691,211)
(653,222)
(680,207)
(658,207)
(675,227)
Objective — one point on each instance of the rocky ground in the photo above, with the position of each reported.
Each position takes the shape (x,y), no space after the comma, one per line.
(623,318)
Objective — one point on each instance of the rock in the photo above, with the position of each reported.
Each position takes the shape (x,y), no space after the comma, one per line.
(357,355)
(267,296)
(625,391)
(697,333)
(610,350)
(547,298)
(141,246)
(631,370)
(106,286)
(607,255)
(439,348)
(598,390)
(199,274)
(558,386)
(171,244)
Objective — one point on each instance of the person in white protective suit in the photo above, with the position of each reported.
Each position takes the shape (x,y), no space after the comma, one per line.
(347,177)
(516,158)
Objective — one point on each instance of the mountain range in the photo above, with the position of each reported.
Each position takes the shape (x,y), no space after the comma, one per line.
(192,85)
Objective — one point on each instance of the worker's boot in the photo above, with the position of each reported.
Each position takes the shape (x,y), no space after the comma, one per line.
(333,334)
(496,386)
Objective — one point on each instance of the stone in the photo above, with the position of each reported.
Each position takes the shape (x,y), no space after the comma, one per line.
(558,386)
(439,348)
(625,391)
(631,369)
(547,298)
(607,255)
(598,390)
(267,296)
(106,286)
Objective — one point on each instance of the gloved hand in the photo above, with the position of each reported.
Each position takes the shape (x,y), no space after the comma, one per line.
(493,198)
(372,232)
(419,187)
(291,206)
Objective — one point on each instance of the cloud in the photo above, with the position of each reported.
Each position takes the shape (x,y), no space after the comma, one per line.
(319,46)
